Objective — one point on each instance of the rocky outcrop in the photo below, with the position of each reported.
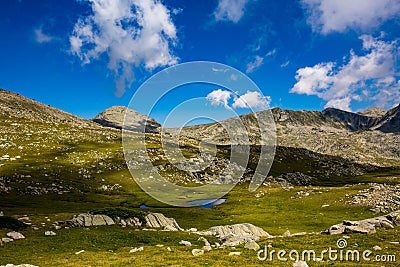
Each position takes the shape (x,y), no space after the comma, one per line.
(158,220)
(87,220)
(367,226)
(236,234)
(122,117)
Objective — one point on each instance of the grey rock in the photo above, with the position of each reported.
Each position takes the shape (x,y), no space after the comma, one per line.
(6,240)
(158,220)
(237,234)
(88,220)
(197,252)
(49,233)
(185,243)
(15,235)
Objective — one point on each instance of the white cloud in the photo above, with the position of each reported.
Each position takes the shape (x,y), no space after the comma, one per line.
(219,97)
(230,10)
(41,37)
(252,66)
(131,32)
(327,16)
(252,100)
(370,77)
(285,64)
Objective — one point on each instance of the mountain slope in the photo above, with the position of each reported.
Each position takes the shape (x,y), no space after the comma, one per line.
(17,107)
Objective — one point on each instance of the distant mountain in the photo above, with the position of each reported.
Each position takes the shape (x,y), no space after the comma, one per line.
(135,121)
(363,139)
(373,112)
(16,107)
(352,121)
(390,122)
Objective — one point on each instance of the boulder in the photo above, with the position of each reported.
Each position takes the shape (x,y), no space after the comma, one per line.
(367,226)
(197,252)
(158,220)
(87,220)
(15,235)
(236,234)
(185,243)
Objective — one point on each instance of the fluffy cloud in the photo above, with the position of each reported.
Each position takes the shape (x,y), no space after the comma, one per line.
(327,16)
(41,37)
(252,100)
(131,32)
(230,10)
(219,97)
(370,77)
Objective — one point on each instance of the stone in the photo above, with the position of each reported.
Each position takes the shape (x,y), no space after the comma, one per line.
(6,240)
(236,234)
(1,213)
(376,247)
(197,252)
(300,264)
(192,230)
(206,248)
(252,245)
(49,233)
(185,243)
(158,220)
(15,235)
(287,233)
(79,252)
(136,249)
(19,265)
(88,220)
(234,253)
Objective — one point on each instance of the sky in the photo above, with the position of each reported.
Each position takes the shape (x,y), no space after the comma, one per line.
(84,56)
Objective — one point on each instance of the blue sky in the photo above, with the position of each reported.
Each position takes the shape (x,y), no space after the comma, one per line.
(85,56)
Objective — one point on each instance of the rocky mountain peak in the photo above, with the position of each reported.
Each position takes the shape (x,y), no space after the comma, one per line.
(373,112)
(135,121)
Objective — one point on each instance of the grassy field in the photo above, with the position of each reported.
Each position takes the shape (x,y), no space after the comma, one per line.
(84,169)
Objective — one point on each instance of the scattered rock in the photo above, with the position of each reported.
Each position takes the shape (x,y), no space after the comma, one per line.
(367,226)
(136,250)
(49,233)
(252,245)
(79,252)
(185,243)
(1,213)
(197,252)
(6,240)
(235,253)
(15,235)
(376,247)
(169,249)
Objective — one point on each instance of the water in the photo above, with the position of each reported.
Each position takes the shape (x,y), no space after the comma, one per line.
(199,203)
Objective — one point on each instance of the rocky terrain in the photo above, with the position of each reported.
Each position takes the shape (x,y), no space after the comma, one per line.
(65,187)
(363,139)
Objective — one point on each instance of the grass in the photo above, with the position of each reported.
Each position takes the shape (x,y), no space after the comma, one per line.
(85,159)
